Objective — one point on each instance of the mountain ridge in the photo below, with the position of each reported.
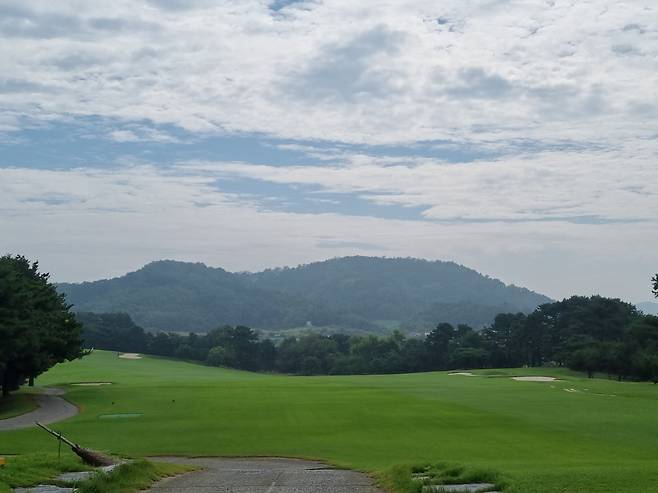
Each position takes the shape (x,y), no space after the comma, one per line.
(350,292)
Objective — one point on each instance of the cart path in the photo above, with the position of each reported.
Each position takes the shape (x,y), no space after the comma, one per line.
(262,475)
(52,408)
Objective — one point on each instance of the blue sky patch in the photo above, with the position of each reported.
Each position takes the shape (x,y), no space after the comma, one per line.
(312,199)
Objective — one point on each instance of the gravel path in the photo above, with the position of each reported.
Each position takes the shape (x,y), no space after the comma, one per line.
(269,475)
(52,408)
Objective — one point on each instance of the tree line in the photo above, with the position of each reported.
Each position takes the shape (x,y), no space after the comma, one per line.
(591,334)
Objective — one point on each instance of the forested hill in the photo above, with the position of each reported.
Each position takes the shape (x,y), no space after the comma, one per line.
(396,289)
(349,292)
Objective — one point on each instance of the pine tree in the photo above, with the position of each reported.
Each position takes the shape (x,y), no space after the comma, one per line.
(37,329)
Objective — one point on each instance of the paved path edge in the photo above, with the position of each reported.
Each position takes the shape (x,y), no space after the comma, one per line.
(52,409)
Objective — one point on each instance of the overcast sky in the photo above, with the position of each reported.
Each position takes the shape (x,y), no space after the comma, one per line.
(519,138)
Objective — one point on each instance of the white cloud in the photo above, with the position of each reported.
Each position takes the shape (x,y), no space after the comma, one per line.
(90,223)
(603,186)
(140,134)
(377,72)
(367,71)
(123,136)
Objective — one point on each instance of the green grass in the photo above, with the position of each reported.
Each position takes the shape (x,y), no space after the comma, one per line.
(16,404)
(32,469)
(399,478)
(131,477)
(600,437)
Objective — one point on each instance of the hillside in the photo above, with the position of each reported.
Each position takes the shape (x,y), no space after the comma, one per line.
(350,292)
(184,296)
(394,289)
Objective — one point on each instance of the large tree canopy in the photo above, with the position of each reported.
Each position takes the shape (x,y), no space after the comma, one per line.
(37,329)
(655,285)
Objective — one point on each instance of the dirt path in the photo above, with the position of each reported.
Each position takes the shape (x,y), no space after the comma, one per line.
(268,475)
(52,408)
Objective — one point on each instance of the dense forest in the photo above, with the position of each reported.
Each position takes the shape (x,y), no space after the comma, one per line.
(591,334)
(364,293)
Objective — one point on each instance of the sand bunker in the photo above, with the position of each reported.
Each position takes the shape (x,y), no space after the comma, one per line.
(535,379)
(130,356)
(91,384)
(463,373)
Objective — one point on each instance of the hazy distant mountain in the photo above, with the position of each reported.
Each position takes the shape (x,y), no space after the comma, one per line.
(393,289)
(648,307)
(349,292)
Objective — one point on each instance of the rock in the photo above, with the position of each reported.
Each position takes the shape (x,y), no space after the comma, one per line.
(112,467)
(76,477)
(109,469)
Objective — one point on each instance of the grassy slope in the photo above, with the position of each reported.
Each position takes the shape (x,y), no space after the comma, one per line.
(540,437)
(131,477)
(15,404)
(35,468)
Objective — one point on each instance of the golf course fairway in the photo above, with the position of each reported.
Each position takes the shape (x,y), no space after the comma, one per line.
(570,435)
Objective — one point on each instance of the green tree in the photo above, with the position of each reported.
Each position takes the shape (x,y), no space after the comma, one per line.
(644,332)
(587,359)
(655,285)
(37,329)
(469,357)
(241,345)
(219,356)
(502,339)
(112,331)
(646,365)
(309,353)
(438,345)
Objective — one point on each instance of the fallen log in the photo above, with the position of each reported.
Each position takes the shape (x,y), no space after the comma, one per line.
(88,456)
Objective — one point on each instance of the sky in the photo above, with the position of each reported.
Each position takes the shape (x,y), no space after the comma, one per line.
(519,138)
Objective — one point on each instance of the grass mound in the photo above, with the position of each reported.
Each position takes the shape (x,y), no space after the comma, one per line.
(401,478)
(33,469)
(398,478)
(131,477)
(16,404)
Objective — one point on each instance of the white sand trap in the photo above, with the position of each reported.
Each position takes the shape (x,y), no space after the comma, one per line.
(91,384)
(130,356)
(535,379)
(462,373)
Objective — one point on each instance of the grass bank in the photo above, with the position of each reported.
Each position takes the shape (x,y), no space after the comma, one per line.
(400,478)
(34,469)
(16,404)
(131,477)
